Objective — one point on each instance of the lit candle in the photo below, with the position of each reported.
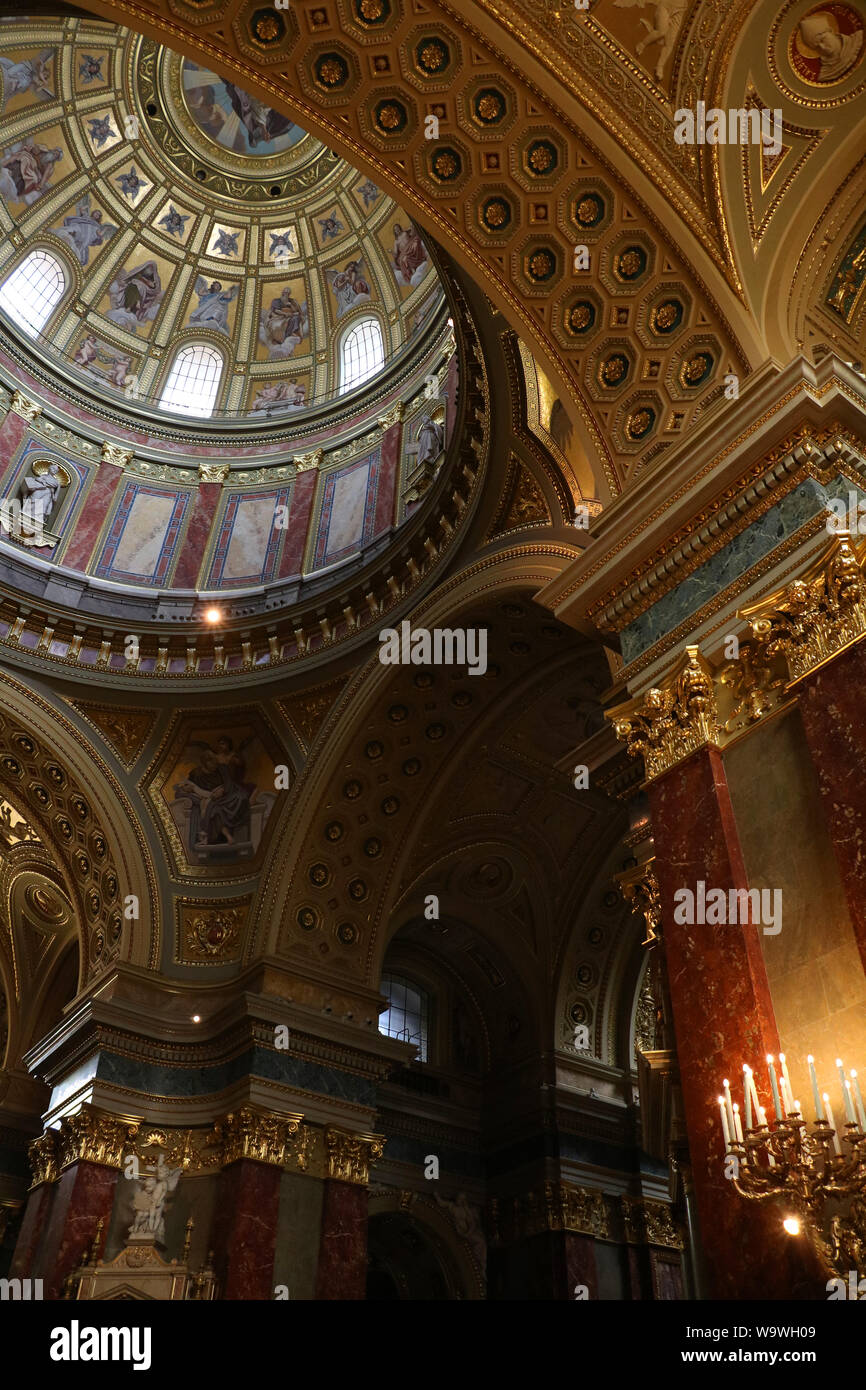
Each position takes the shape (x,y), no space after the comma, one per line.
(832,1123)
(818,1114)
(786,1078)
(787,1098)
(762,1118)
(730,1108)
(860,1111)
(849,1105)
(747,1095)
(774,1085)
(725,1130)
(738,1128)
(849,1109)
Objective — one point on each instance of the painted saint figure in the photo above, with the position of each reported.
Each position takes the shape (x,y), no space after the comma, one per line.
(29,75)
(85,229)
(135,296)
(349,286)
(26,170)
(408,255)
(284,324)
(213,305)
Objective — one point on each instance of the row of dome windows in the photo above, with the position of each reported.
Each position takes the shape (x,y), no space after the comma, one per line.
(31,293)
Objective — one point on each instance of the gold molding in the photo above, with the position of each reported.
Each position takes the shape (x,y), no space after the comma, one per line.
(91,1136)
(258,1135)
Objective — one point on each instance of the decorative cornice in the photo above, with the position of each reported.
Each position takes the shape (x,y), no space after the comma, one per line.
(349,1155)
(671,721)
(815,618)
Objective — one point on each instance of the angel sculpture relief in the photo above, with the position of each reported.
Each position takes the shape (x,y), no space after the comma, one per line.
(667,16)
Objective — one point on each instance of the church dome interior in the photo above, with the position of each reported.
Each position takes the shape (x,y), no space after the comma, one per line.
(432,629)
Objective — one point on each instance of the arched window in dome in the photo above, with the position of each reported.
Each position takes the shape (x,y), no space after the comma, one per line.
(193,380)
(362,354)
(33,291)
(407,1016)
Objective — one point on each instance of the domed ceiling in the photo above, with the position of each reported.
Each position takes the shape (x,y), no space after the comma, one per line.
(183,210)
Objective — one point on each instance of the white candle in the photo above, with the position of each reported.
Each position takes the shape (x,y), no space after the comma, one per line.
(832,1123)
(753,1092)
(785,1076)
(861,1114)
(774,1084)
(727,1089)
(787,1098)
(762,1117)
(738,1128)
(849,1105)
(811,1060)
(747,1096)
(725,1130)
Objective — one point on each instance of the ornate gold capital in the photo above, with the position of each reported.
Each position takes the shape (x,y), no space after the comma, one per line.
(257,1135)
(213,472)
(43,1157)
(27,409)
(640,887)
(650,1223)
(392,416)
(816,617)
(673,720)
(304,462)
(91,1136)
(113,453)
(350,1155)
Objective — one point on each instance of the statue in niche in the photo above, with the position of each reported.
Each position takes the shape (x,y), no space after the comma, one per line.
(150,1201)
(26,516)
(431,440)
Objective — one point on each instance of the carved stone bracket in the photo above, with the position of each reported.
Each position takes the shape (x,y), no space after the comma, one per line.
(815,617)
(640,887)
(349,1155)
(671,721)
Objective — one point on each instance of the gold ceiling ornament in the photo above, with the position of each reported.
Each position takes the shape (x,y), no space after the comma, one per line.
(349,1155)
(125,730)
(817,617)
(23,406)
(213,934)
(671,721)
(14,829)
(92,1136)
(114,453)
(213,472)
(640,887)
(258,1135)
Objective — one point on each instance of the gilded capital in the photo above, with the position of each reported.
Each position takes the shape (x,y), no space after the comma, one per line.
(213,472)
(392,416)
(43,1157)
(673,720)
(349,1155)
(91,1136)
(816,617)
(113,453)
(23,406)
(257,1135)
(305,462)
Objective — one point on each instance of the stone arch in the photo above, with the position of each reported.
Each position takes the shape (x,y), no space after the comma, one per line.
(461,1264)
(69,795)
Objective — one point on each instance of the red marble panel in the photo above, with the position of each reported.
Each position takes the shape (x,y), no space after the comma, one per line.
(342,1271)
(389,467)
(197,536)
(96,506)
(577,1259)
(12,431)
(32,1232)
(834,718)
(84,1193)
(722,1017)
(300,511)
(244,1235)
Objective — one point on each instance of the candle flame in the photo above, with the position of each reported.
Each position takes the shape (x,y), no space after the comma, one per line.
(792,1225)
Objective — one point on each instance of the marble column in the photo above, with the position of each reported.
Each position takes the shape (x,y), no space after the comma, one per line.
(342,1267)
(244,1233)
(84,1194)
(831,707)
(93,511)
(32,1230)
(722,1017)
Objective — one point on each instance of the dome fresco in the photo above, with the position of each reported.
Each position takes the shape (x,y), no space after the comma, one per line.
(182,212)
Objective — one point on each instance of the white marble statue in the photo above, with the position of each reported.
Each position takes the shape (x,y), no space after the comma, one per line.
(150,1201)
